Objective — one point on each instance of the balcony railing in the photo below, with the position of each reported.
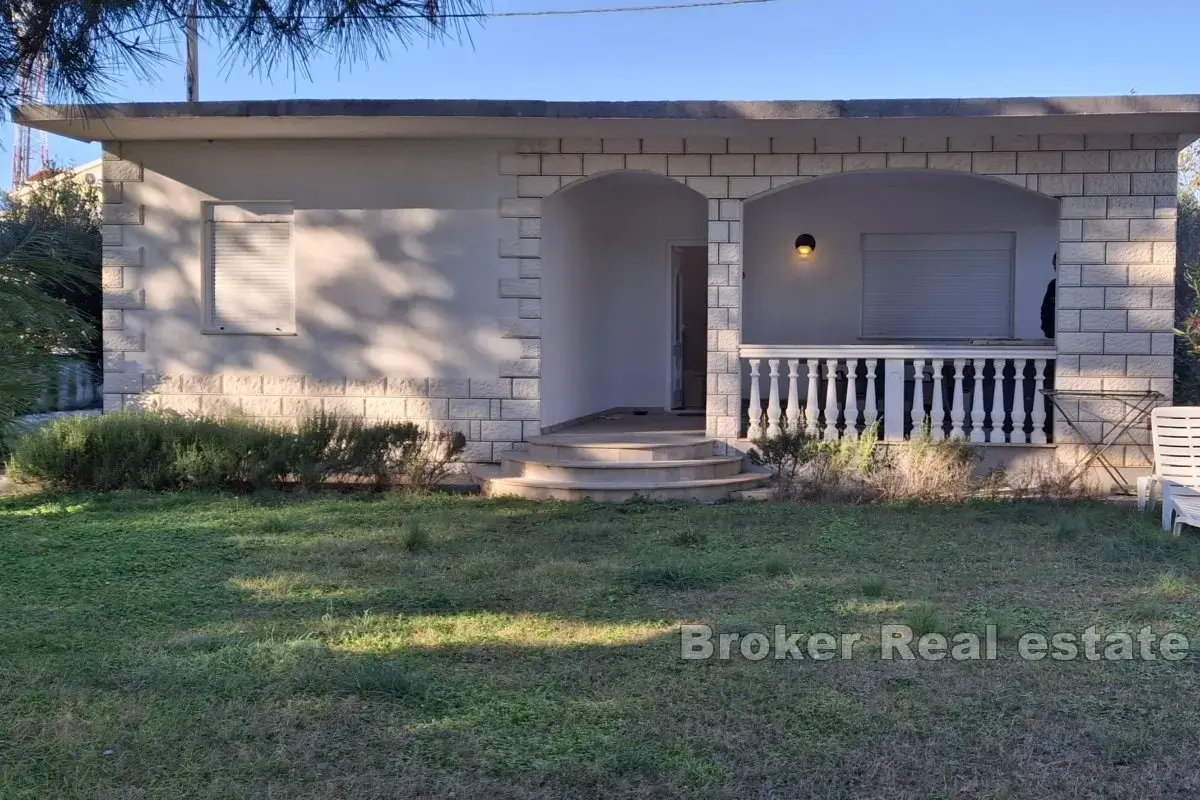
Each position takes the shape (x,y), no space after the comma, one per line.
(986,395)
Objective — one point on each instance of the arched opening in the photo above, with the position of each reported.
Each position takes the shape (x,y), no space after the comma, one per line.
(619,253)
(900,256)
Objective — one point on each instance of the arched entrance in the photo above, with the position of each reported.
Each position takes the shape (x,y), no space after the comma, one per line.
(623,295)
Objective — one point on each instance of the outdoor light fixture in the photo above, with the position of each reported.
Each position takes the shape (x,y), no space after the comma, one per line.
(805,244)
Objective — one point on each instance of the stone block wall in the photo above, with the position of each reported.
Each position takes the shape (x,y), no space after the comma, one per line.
(495,412)
(1115,276)
(1117,196)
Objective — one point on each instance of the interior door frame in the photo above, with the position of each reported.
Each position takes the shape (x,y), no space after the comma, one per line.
(672,245)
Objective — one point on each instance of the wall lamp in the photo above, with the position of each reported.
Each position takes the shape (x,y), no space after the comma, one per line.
(805,244)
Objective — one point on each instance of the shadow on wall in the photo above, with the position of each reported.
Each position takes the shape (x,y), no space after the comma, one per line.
(393,277)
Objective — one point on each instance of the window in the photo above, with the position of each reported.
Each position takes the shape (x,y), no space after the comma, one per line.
(938,286)
(249,272)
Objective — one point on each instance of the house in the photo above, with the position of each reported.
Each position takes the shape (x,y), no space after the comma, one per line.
(89,174)
(517,269)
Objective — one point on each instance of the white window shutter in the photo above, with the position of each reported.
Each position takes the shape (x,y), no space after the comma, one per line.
(938,286)
(250,269)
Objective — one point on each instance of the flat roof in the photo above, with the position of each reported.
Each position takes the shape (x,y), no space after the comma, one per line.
(420,118)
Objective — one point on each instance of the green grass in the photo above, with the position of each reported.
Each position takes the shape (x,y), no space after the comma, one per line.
(197,645)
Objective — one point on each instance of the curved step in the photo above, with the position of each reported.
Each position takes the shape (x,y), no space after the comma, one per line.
(528,466)
(619,447)
(709,491)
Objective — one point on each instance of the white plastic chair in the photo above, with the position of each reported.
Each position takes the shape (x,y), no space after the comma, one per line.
(1176,437)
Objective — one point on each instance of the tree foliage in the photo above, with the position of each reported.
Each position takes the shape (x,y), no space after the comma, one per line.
(1189,170)
(86,44)
(61,206)
(38,326)
(1187,301)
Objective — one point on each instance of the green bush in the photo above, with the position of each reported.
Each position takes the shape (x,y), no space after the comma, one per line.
(160,451)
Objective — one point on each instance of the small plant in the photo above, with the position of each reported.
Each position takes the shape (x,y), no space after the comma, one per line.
(1052,478)
(840,467)
(925,470)
(689,536)
(1148,610)
(414,537)
(875,586)
(776,565)
(428,459)
(784,453)
(922,618)
(386,678)
(682,574)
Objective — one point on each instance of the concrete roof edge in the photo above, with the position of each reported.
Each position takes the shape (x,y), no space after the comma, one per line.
(633,110)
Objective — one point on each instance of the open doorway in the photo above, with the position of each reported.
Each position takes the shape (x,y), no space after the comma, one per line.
(689,326)
(607,332)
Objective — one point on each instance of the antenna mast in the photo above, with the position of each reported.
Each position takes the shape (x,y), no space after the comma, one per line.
(193,55)
(31,90)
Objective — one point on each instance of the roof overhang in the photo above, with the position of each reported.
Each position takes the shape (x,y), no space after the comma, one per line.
(301,119)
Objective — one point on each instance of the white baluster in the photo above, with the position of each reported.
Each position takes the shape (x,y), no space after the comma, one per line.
(937,411)
(793,396)
(996,434)
(1038,436)
(831,406)
(870,410)
(773,399)
(957,412)
(755,429)
(918,407)
(851,412)
(812,407)
(977,400)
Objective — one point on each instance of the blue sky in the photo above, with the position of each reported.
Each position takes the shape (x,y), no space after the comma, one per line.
(789,49)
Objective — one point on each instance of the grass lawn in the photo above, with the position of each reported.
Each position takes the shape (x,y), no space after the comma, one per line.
(213,646)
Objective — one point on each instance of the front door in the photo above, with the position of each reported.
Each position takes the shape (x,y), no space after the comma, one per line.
(689,326)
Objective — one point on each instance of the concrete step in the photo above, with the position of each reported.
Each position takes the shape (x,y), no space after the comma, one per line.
(708,491)
(525,465)
(619,447)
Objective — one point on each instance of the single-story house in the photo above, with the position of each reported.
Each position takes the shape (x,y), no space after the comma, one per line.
(512,269)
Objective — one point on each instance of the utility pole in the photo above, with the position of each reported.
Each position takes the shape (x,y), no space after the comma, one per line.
(193,56)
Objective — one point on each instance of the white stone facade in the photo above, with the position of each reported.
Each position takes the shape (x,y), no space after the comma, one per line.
(1116,268)
(1116,255)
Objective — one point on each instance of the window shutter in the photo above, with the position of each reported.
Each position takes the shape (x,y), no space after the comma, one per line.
(251,273)
(938,286)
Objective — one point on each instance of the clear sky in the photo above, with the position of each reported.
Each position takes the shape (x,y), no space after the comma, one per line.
(785,50)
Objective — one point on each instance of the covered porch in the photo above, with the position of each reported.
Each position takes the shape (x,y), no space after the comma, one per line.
(915,304)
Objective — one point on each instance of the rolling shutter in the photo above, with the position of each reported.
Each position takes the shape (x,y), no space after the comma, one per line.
(250,269)
(938,286)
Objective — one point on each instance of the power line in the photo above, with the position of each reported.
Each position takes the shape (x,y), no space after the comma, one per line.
(484,15)
(572,12)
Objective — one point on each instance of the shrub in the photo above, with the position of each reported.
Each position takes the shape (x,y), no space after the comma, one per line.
(427,459)
(925,470)
(325,445)
(784,453)
(1051,478)
(160,450)
(839,468)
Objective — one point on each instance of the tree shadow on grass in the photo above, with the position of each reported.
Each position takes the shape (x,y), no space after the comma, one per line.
(249,648)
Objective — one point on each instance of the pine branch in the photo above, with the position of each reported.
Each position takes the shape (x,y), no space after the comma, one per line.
(85,45)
